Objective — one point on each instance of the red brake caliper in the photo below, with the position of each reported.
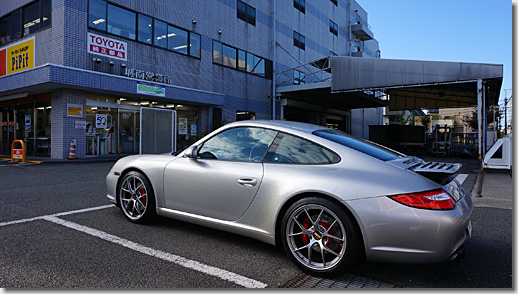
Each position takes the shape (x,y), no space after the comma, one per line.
(305,224)
(144,196)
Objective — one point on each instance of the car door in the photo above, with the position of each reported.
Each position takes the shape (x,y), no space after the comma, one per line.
(225,176)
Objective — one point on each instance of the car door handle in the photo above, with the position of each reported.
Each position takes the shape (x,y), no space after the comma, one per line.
(247,182)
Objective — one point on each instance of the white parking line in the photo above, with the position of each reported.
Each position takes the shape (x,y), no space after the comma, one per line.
(461,178)
(191,264)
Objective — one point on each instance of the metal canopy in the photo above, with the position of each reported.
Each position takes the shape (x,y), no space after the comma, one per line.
(413,84)
(321,94)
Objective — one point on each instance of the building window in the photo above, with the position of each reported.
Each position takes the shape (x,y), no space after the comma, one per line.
(145,29)
(195,45)
(160,34)
(121,22)
(31,18)
(335,2)
(300,5)
(97,14)
(241,60)
(299,78)
(299,40)
(333,27)
(226,55)
(245,12)
(36,16)
(177,39)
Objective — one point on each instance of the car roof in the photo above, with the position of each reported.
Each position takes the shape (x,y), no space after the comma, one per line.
(279,124)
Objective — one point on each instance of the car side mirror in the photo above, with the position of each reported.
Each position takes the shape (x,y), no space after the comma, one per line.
(191,152)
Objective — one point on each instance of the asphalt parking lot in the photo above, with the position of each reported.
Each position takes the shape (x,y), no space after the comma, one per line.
(59,231)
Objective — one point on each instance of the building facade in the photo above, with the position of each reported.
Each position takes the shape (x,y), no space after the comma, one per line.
(79,71)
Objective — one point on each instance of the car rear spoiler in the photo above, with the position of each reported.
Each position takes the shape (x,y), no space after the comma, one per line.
(440,172)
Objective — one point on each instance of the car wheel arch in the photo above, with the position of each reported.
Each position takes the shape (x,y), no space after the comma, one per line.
(295,198)
(124,173)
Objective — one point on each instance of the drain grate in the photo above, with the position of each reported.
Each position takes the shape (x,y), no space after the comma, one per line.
(345,281)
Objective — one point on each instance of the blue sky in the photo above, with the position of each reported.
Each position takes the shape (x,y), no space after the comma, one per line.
(478,31)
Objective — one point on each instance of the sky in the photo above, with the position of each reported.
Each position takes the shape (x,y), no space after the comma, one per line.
(478,31)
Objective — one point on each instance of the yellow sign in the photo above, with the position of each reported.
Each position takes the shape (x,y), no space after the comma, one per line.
(20,56)
(75,110)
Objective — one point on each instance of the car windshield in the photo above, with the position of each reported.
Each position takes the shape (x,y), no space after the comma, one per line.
(358,144)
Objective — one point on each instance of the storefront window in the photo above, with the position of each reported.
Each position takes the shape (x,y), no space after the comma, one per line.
(129,140)
(101,130)
(177,39)
(187,124)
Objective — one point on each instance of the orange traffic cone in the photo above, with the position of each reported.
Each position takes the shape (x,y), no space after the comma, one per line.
(72,154)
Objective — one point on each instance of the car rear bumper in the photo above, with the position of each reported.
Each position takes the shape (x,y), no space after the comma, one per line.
(393,232)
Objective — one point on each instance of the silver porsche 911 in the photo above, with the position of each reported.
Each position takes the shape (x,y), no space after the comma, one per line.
(324,196)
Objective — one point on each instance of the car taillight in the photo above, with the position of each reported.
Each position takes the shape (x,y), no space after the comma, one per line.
(434,199)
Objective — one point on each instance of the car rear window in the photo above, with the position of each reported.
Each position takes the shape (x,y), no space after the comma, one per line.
(358,144)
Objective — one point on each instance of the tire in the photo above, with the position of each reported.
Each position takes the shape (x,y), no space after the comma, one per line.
(136,198)
(319,236)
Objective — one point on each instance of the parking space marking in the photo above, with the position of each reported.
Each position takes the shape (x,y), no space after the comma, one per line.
(461,178)
(56,214)
(187,263)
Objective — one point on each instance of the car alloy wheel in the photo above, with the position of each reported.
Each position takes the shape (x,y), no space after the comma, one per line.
(136,198)
(319,236)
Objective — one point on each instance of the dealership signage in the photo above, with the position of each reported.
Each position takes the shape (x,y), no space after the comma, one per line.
(147,76)
(17,57)
(107,47)
(150,89)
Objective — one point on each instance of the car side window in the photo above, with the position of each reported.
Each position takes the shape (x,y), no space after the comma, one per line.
(290,149)
(238,144)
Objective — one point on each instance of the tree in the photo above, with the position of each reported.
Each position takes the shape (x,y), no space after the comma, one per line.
(400,120)
(472,119)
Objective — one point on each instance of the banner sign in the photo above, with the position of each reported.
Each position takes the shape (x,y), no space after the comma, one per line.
(101,121)
(106,47)
(81,124)
(150,89)
(17,57)
(74,110)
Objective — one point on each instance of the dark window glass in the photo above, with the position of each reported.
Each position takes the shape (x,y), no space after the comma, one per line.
(358,144)
(333,27)
(46,11)
(5,30)
(217,52)
(194,45)
(229,56)
(250,14)
(145,29)
(300,5)
(299,40)
(16,20)
(238,144)
(97,14)
(160,34)
(335,2)
(177,39)
(121,22)
(245,12)
(241,60)
(31,18)
(241,10)
(294,150)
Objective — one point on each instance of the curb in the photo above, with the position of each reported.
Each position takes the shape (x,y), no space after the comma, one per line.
(477,187)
